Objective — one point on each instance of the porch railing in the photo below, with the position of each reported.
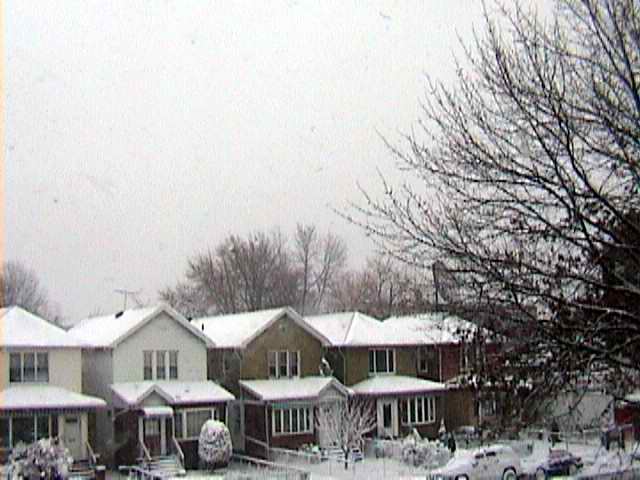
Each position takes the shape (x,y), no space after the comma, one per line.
(175,445)
(93,458)
(144,451)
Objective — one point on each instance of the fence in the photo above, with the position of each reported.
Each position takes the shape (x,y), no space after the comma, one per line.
(243,467)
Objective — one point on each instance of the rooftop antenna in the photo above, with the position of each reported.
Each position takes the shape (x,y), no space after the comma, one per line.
(125,293)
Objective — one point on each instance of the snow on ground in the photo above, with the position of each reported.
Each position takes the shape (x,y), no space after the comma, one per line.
(596,461)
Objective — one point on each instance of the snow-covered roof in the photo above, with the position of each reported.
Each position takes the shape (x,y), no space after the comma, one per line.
(286,389)
(174,392)
(109,330)
(151,412)
(633,397)
(433,328)
(355,329)
(396,385)
(20,328)
(239,329)
(45,397)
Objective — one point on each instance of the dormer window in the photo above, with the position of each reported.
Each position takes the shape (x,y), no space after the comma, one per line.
(382,360)
(29,367)
(283,363)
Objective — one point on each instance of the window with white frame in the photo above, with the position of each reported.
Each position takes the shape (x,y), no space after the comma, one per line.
(382,360)
(283,363)
(14,430)
(29,367)
(291,421)
(188,422)
(419,410)
(160,364)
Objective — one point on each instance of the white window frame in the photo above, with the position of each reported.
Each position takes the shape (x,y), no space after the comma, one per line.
(214,414)
(411,409)
(304,415)
(372,365)
(35,354)
(273,361)
(166,356)
(34,418)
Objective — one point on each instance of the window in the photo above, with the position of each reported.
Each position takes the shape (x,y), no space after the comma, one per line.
(283,364)
(42,427)
(382,361)
(160,365)
(419,410)
(290,421)
(465,357)
(166,364)
(5,439)
(29,367)
(428,361)
(173,364)
(188,422)
(148,369)
(195,420)
(42,374)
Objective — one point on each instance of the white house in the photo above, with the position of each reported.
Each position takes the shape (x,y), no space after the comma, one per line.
(150,365)
(41,384)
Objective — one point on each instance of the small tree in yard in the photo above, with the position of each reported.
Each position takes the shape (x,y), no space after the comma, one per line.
(344,423)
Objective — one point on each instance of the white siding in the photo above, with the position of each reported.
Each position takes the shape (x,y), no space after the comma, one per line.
(65,367)
(160,333)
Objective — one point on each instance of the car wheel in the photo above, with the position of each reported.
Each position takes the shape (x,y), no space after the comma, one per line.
(540,474)
(509,474)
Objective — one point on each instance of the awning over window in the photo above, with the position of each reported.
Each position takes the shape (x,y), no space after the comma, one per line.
(152,412)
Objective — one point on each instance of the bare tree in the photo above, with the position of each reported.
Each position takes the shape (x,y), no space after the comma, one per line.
(320,259)
(382,288)
(345,422)
(522,179)
(21,287)
(259,271)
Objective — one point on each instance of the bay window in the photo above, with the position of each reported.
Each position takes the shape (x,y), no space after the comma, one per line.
(418,410)
(291,421)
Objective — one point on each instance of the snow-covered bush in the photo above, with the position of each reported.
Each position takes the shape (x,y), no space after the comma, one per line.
(45,458)
(425,453)
(214,444)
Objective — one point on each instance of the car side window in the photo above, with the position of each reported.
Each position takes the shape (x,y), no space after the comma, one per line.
(491,454)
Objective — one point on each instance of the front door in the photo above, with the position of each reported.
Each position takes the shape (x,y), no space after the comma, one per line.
(152,436)
(387,418)
(72,436)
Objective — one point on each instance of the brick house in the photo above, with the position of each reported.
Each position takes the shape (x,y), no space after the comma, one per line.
(271,360)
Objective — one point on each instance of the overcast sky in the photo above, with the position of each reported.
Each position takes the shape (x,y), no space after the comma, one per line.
(141,132)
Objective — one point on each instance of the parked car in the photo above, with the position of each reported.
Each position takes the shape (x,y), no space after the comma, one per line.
(492,462)
(559,462)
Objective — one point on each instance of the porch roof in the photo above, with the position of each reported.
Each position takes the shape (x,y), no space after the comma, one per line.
(133,394)
(45,397)
(286,389)
(396,385)
(151,412)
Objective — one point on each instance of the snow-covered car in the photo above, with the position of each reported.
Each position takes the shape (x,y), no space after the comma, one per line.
(492,462)
(558,462)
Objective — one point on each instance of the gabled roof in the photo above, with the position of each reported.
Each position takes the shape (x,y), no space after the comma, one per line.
(172,391)
(396,385)
(287,389)
(355,329)
(109,330)
(22,329)
(433,327)
(43,396)
(239,329)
